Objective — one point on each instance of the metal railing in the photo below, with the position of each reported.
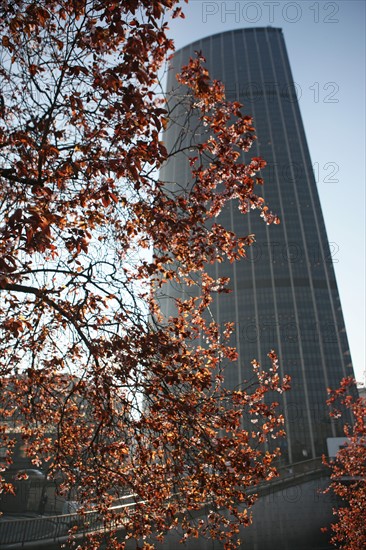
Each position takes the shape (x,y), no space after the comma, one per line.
(19,531)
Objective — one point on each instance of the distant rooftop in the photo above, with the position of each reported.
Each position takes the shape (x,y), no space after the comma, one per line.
(246,30)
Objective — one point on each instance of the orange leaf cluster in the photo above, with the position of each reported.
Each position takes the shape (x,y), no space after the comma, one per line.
(348,470)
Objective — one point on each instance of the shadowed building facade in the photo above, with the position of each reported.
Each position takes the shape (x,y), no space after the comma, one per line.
(285,295)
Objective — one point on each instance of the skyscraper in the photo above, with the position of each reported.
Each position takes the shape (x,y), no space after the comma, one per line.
(285,295)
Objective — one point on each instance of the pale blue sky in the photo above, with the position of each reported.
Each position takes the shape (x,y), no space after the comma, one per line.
(326,45)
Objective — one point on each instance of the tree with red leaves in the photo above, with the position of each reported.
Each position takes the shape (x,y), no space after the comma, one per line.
(349,471)
(103,389)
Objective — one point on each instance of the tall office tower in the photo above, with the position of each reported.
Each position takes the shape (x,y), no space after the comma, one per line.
(285,294)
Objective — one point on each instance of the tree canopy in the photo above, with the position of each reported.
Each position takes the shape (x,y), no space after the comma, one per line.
(348,470)
(98,383)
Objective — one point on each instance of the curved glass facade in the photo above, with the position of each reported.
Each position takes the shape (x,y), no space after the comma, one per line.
(285,294)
